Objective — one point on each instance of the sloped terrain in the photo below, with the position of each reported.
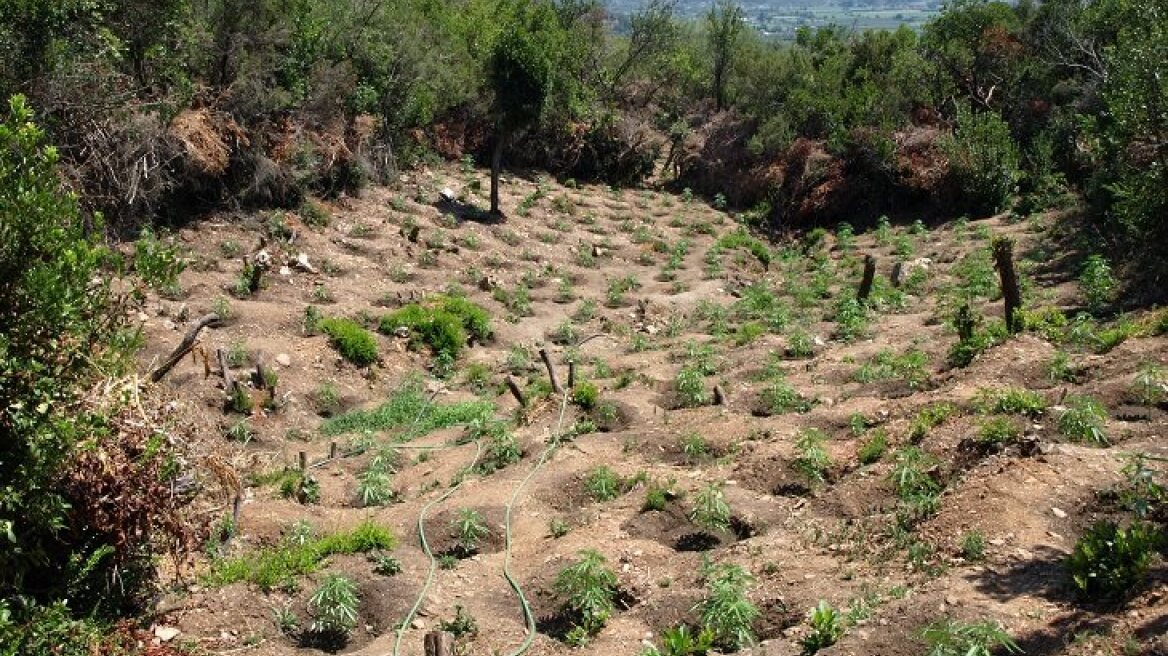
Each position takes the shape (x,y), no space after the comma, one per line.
(658,298)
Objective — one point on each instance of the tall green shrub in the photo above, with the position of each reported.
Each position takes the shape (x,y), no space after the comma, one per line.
(983,161)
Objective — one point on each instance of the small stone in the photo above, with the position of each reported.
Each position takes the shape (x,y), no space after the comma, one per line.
(285,271)
(1061,514)
(447,194)
(950,600)
(417,624)
(283,359)
(168,324)
(166,633)
(401,332)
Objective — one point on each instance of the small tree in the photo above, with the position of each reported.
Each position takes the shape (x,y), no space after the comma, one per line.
(724,28)
(520,71)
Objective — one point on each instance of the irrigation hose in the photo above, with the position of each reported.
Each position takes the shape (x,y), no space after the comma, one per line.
(401,629)
(528,616)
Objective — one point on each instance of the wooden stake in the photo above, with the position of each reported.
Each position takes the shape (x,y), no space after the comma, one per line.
(332,450)
(439,643)
(516,392)
(1003,248)
(302,458)
(572,375)
(184,347)
(551,369)
(869,276)
(719,395)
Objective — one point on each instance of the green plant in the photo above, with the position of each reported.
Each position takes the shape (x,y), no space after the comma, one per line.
(586,395)
(463,624)
(447,561)
(1150,385)
(973,546)
(589,589)
(408,406)
(872,450)
(1010,400)
(353,342)
(826,628)
(725,610)
(334,607)
(558,528)
(241,432)
(800,344)
(442,323)
(279,565)
(681,641)
(469,530)
(285,620)
(851,318)
(1097,283)
(929,418)
(691,388)
(813,460)
(710,511)
(157,262)
(301,487)
(983,159)
(998,430)
(1111,562)
(374,485)
(602,484)
(1082,420)
(953,638)
(385,564)
(694,446)
(886,365)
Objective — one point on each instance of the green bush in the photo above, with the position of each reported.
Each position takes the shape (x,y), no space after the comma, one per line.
(353,342)
(586,395)
(725,610)
(1110,562)
(334,607)
(442,323)
(84,495)
(589,588)
(983,161)
(1082,420)
(826,628)
(952,638)
(1097,283)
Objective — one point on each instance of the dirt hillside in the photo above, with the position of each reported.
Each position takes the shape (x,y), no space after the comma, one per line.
(634,287)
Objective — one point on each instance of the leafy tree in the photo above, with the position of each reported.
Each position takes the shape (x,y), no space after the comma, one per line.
(724,25)
(520,73)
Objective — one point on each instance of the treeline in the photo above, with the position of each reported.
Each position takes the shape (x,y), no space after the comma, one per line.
(168,106)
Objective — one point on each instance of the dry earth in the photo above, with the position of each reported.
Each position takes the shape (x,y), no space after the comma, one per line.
(802,542)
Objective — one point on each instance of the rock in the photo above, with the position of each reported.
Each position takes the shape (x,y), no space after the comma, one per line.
(401,332)
(950,600)
(1058,512)
(417,624)
(283,359)
(285,271)
(447,194)
(166,633)
(301,262)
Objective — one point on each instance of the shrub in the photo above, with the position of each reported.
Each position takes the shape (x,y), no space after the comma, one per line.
(973,546)
(929,418)
(334,607)
(813,460)
(157,262)
(725,610)
(1082,420)
(1110,562)
(585,395)
(1097,283)
(983,161)
(353,342)
(602,484)
(589,588)
(1010,400)
(873,449)
(826,628)
(691,388)
(86,495)
(952,638)
(752,244)
(442,323)
(469,529)
(780,398)
(710,511)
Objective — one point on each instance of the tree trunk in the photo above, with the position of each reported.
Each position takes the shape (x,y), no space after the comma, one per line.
(439,643)
(1003,249)
(869,277)
(496,167)
(551,369)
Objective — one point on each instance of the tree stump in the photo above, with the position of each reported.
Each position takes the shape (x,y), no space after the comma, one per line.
(869,277)
(551,369)
(516,392)
(439,643)
(1003,249)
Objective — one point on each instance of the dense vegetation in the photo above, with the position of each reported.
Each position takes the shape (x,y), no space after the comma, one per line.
(162,107)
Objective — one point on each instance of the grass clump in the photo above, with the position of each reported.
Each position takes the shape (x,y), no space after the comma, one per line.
(353,342)
(873,449)
(409,406)
(1010,401)
(280,565)
(442,323)
(886,365)
(929,418)
(603,484)
(813,460)
(752,244)
(953,638)
(826,628)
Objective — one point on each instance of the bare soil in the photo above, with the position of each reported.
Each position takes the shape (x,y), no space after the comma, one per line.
(802,541)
